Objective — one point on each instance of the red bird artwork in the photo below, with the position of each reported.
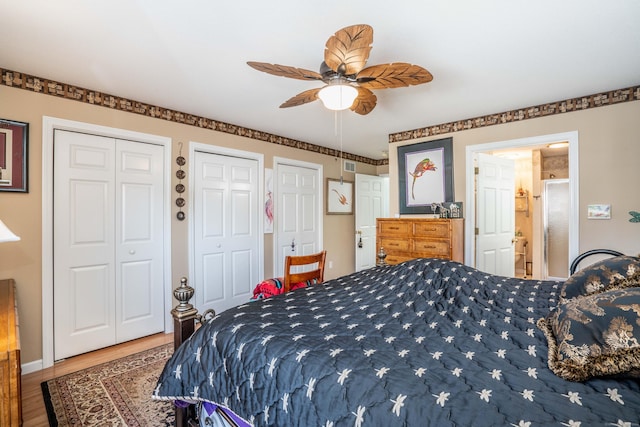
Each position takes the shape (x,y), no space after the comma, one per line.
(422,167)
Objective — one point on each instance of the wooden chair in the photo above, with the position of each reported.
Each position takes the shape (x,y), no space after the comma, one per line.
(313,276)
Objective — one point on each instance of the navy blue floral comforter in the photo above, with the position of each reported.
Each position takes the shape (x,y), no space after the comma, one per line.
(424,343)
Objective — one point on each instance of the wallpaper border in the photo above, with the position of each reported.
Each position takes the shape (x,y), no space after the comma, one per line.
(35,84)
(67,91)
(565,106)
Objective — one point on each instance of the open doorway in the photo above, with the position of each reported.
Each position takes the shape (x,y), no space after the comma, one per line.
(530,224)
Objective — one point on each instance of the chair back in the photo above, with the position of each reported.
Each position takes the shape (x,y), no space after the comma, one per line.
(315,275)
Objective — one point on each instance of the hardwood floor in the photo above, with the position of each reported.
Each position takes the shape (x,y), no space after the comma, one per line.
(34,413)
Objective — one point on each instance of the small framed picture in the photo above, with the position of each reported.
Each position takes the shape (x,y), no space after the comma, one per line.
(598,211)
(268,200)
(14,137)
(339,197)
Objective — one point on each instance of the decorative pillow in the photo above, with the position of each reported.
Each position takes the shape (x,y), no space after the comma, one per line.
(610,273)
(270,287)
(595,335)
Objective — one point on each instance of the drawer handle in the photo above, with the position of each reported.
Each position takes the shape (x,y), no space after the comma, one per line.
(394,228)
(429,247)
(393,244)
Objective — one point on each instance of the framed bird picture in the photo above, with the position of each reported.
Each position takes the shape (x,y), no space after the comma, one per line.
(426,176)
(339,197)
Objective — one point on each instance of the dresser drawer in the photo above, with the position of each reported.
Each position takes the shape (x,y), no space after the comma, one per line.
(428,248)
(392,259)
(395,245)
(394,228)
(435,229)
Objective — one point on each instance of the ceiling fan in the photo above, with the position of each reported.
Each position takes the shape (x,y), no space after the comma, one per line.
(348,82)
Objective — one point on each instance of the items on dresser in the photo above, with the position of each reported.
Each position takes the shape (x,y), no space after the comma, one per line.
(10,401)
(407,238)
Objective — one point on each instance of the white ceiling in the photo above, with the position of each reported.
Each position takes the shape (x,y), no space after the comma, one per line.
(190,55)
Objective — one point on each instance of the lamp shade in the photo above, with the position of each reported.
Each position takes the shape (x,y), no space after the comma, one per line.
(7,235)
(338,96)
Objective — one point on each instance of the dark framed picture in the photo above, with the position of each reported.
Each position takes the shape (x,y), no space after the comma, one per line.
(13,155)
(426,176)
(339,197)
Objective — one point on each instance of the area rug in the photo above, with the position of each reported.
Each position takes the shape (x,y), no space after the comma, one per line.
(116,393)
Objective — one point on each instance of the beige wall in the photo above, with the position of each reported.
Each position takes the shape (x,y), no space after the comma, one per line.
(609,139)
(609,154)
(22,212)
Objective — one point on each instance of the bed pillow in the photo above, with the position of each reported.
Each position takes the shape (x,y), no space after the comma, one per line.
(595,335)
(610,273)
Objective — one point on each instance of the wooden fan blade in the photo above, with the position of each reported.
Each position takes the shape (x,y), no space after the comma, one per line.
(301,98)
(285,71)
(365,102)
(348,49)
(398,74)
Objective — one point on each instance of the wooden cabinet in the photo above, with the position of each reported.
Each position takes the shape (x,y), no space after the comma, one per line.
(10,400)
(408,238)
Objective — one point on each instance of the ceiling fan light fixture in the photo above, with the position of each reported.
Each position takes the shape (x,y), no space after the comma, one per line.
(338,96)
(343,69)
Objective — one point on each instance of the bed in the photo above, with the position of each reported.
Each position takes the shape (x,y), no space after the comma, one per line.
(428,342)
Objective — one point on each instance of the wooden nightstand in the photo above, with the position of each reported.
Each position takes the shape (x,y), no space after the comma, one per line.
(10,370)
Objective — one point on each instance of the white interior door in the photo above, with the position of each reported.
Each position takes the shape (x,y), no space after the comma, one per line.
(108,241)
(297,214)
(372,201)
(84,247)
(495,215)
(227,218)
(139,240)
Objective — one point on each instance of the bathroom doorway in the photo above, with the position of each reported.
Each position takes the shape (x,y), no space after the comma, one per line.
(536,162)
(542,207)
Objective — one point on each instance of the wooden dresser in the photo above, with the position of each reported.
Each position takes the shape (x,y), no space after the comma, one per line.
(10,371)
(408,238)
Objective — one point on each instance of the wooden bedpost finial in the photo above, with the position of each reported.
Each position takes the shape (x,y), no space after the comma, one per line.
(183,294)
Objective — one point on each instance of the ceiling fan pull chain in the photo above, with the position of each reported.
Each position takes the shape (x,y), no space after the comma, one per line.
(341,135)
(337,116)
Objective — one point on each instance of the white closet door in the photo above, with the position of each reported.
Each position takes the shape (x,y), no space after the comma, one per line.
(226,230)
(83,220)
(297,213)
(139,241)
(108,242)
